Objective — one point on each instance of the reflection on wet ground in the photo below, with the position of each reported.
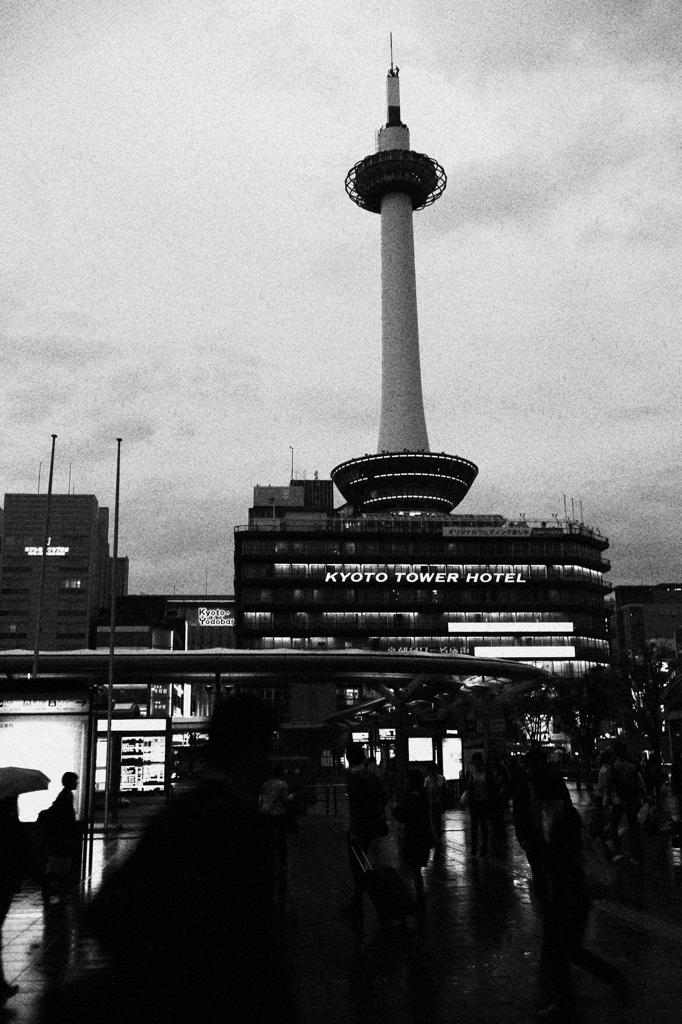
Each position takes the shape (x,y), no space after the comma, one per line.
(469,955)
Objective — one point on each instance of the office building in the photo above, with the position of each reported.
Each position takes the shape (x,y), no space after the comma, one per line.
(170,622)
(77,571)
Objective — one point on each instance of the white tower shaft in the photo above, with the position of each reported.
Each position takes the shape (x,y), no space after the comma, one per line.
(402,423)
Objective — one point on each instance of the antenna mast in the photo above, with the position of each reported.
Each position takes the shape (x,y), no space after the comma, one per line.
(390,36)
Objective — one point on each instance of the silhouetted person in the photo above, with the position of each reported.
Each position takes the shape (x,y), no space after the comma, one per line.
(624,792)
(500,792)
(567,902)
(274,803)
(188,920)
(676,781)
(418,835)
(11,863)
(61,837)
(527,817)
(479,786)
(367,800)
(434,784)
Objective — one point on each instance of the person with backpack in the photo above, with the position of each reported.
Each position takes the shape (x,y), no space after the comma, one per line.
(624,793)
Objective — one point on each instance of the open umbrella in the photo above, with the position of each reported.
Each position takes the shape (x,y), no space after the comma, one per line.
(15,781)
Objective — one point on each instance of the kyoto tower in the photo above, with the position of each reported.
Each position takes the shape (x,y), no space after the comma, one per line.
(404,475)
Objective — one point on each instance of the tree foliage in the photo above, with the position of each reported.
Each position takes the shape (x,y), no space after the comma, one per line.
(581,707)
(532,712)
(644,674)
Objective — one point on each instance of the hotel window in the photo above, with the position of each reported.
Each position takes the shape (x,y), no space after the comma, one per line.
(253,570)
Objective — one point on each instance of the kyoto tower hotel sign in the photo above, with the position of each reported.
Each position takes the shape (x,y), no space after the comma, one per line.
(404,475)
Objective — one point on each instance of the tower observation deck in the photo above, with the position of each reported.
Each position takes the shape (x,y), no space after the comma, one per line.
(404,474)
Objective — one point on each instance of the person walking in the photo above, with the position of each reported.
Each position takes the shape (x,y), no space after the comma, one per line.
(61,837)
(499,794)
(625,792)
(676,782)
(418,840)
(478,785)
(527,818)
(434,784)
(275,803)
(567,904)
(11,863)
(187,922)
(367,799)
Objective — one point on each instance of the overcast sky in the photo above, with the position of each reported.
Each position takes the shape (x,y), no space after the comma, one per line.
(181,266)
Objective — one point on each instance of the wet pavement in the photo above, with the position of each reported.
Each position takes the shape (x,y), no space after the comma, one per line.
(470,956)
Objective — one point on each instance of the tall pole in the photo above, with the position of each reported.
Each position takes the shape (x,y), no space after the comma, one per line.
(112,638)
(43,563)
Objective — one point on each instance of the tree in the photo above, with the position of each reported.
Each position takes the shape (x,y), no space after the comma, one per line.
(645,676)
(581,706)
(532,712)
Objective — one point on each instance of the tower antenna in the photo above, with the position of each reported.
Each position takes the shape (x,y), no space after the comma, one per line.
(390,36)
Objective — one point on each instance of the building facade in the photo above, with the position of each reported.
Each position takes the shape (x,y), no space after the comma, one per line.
(641,615)
(480,585)
(177,622)
(78,571)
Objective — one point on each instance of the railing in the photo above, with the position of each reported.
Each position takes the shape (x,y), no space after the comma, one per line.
(421,524)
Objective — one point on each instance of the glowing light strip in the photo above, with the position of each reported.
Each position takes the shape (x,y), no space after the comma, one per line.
(524,652)
(510,627)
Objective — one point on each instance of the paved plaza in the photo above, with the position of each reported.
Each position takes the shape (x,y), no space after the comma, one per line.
(470,956)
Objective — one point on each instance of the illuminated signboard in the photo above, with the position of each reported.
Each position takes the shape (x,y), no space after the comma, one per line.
(215,617)
(44,705)
(386,734)
(61,551)
(424,577)
(486,531)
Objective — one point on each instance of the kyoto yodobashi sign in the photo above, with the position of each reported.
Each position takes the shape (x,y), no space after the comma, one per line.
(50,550)
(216,617)
(424,577)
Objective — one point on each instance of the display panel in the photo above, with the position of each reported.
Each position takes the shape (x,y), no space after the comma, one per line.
(142,763)
(53,744)
(452,757)
(420,748)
